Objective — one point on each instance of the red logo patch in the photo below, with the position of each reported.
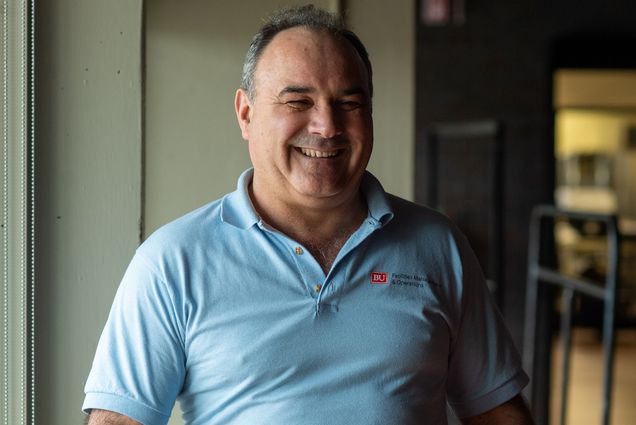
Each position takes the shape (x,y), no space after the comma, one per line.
(379,278)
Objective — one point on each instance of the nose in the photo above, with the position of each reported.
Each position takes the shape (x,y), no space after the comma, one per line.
(325,122)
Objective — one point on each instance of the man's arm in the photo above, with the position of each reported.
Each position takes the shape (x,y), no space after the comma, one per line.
(106,417)
(512,412)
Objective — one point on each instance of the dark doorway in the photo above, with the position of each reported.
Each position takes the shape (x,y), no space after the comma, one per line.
(464,176)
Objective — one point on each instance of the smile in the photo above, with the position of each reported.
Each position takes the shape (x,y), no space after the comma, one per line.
(318,154)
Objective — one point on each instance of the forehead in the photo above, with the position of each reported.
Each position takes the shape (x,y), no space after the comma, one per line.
(303,56)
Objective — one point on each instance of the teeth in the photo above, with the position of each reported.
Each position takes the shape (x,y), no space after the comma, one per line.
(318,154)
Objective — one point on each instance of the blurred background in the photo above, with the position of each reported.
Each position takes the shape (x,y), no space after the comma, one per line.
(482,110)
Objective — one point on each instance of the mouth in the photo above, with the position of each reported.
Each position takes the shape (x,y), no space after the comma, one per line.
(312,153)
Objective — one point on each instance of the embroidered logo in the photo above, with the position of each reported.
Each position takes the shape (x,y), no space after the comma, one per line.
(402,279)
(379,278)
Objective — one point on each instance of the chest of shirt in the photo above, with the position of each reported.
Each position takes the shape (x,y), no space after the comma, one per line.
(281,320)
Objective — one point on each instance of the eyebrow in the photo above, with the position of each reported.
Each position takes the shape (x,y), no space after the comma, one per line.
(296,90)
(306,89)
(353,90)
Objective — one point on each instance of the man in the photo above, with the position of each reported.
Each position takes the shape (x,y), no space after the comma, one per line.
(309,295)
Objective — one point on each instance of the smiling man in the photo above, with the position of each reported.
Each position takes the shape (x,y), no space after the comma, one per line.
(307,119)
(309,295)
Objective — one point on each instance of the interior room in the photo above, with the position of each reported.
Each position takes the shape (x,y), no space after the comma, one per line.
(594,126)
(119,117)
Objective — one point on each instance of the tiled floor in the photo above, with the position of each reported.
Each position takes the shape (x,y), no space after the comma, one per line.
(584,401)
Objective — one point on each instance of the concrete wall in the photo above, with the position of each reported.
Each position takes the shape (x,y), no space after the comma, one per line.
(112,165)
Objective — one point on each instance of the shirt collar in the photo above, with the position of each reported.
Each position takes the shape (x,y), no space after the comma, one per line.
(377,199)
(237,208)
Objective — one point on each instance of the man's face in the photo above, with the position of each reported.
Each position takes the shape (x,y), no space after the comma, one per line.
(309,124)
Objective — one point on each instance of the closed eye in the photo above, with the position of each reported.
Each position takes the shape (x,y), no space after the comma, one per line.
(299,104)
(349,105)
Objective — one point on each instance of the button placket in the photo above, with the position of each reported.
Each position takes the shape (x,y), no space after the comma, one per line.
(306,273)
(308,268)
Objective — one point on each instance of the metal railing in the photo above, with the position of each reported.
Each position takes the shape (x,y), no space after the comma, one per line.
(541,274)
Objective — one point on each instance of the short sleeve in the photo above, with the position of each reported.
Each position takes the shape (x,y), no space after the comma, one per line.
(139,365)
(484,368)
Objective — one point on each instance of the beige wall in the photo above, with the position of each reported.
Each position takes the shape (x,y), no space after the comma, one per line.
(94,186)
(594,88)
(388,30)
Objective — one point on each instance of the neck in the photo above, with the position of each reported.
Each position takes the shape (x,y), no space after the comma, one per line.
(316,222)
(322,229)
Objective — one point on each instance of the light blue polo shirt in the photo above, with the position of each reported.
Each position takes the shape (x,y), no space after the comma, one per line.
(241,325)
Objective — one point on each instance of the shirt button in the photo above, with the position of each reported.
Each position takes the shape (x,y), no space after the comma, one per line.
(299,250)
(317,287)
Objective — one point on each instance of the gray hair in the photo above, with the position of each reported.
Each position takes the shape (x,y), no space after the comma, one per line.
(307,16)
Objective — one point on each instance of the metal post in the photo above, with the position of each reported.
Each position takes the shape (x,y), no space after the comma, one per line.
(532,290)
(609,314)
(567,297)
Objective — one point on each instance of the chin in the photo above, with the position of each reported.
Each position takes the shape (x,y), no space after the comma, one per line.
(325,194)
(318,188)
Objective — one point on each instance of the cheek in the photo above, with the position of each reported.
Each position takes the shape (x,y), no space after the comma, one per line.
(360,121)
(266,151)
(361,131)
(279,130)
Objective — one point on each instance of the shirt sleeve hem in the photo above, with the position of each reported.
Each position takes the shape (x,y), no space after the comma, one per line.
(492,399)
(123,406)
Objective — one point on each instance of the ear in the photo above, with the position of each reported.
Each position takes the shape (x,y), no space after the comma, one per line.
(243,109)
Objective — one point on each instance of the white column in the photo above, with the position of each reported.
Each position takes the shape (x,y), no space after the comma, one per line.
(16,308)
